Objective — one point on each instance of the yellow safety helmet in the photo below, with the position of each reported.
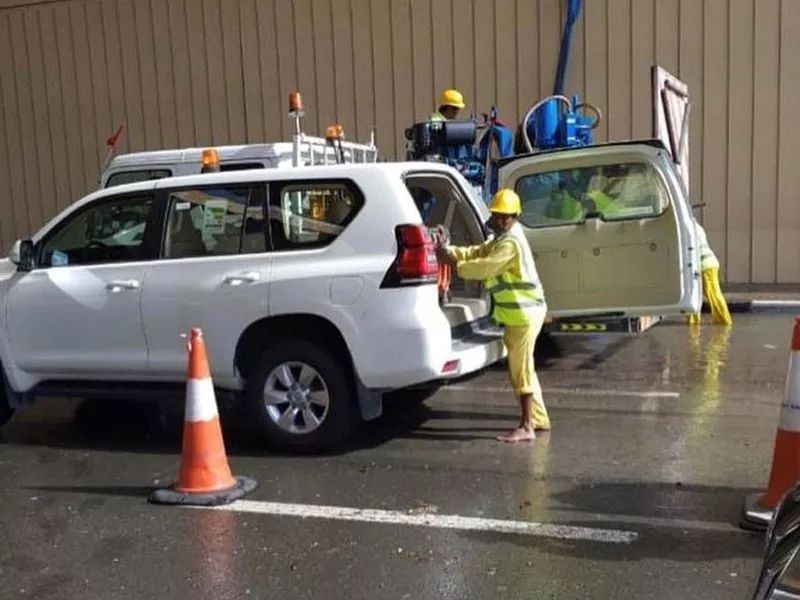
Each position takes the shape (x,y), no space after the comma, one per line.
(506,202)
(452,98)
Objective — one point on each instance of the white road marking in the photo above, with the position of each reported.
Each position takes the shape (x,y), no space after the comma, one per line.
(654,522)
(776,303)
(572,391)
(395,517)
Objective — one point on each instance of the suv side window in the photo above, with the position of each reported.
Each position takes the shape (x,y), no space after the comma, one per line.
(311,214)
(215,221)
(107,231)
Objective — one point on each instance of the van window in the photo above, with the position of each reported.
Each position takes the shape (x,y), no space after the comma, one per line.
(311,214)
(612,192)
(241,166)
(124,177)
(215,221)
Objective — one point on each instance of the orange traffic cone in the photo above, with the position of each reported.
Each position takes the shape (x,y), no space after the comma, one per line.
(204,477)
(758,508)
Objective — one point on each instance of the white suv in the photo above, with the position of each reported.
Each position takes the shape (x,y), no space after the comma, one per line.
(316,286)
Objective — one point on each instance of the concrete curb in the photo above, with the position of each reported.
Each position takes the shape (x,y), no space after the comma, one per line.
(746,306)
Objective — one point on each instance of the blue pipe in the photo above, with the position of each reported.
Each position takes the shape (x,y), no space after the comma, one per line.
(573,12)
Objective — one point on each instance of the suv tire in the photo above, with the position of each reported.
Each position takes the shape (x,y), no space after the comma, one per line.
(302,397)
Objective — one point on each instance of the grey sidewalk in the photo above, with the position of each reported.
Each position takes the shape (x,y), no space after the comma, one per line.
(757,297)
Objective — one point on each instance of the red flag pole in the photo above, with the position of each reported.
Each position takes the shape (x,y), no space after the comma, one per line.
(111,144)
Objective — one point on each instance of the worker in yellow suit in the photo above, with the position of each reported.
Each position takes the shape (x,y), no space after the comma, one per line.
(450,103)
(709,265)
(506,266)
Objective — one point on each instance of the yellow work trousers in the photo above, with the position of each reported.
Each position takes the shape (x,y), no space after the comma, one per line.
(720,315)
(520,342)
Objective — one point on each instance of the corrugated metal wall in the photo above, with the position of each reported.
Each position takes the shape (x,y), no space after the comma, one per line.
(197,72)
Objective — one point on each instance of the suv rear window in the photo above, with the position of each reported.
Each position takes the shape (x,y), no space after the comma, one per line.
(311,214)
(124,177)
(612,192)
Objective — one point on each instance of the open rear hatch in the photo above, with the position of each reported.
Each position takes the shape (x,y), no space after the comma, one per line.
(467,306)
(442,203)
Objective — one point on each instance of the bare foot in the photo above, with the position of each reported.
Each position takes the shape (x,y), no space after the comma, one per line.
(520,434)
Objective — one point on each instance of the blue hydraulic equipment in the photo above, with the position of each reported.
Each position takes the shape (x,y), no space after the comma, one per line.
(557,121)
(554,122)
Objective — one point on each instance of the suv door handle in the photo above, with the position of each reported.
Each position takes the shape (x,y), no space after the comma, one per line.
(242,278)
(122,284)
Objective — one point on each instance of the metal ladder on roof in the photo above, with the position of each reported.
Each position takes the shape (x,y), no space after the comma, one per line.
(312,151)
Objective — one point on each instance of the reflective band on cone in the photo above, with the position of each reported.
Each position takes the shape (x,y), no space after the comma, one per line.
(785,470)
(204,476)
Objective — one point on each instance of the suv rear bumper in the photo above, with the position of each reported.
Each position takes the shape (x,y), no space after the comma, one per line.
(482,347)
(415,356)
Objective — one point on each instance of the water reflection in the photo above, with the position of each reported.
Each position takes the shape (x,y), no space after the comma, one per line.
(707,359)
(215,538)
(709,362)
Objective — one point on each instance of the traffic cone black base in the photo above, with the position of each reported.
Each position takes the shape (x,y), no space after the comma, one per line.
(755,517)
(244,485)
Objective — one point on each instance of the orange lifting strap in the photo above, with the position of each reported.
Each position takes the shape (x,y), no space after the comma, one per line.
(445,275)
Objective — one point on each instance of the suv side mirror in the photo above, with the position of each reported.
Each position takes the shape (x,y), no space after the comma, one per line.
(783,542)
(22,255)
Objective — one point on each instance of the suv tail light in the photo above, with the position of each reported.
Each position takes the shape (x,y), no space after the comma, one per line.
(416,262)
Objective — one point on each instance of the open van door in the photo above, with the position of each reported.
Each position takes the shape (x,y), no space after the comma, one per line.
(611,230)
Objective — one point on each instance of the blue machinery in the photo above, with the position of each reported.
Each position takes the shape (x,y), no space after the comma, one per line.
(545,126)
(554,122)
(456,143)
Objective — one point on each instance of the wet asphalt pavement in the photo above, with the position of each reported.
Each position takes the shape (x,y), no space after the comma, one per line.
(660,435)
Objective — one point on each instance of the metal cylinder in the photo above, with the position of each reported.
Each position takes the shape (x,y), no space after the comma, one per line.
(546,122)
(457,133)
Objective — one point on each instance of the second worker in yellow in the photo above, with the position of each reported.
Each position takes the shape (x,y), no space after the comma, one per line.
(506,266)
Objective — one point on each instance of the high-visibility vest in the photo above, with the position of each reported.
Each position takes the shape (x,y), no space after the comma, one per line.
(604,203)
(563,206)
(515,295)
(708,260)
(436,116)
